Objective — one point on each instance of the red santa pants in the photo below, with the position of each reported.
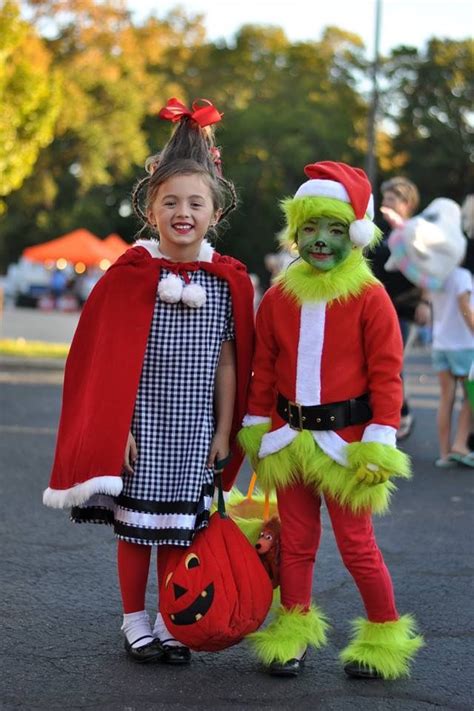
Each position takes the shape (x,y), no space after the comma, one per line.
(133,562)
(299,508)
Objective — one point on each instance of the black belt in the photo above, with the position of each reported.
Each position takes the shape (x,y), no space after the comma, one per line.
(332,416)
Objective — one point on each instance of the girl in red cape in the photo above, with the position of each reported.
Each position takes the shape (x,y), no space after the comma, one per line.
(156,379)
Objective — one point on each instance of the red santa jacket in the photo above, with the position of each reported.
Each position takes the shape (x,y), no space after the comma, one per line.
(323,352)
(103,372)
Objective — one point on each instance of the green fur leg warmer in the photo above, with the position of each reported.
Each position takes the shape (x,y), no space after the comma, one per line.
(387,647)
(288,633)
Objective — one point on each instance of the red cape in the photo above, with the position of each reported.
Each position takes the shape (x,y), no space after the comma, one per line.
(103,372)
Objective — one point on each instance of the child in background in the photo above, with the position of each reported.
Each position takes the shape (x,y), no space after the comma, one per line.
(427,249)
(157,375)
(453,355)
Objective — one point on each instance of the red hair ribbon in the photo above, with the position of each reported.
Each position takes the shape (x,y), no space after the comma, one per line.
(203,115)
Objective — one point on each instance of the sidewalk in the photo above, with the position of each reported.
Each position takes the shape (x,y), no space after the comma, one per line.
(36,325)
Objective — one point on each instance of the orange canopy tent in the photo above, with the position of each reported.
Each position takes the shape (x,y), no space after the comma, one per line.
(117,244)
(77,246)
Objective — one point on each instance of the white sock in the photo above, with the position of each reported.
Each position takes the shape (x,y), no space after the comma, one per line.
(136,628)
(161,632)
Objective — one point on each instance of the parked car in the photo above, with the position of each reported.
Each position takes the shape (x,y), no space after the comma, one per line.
(26,282)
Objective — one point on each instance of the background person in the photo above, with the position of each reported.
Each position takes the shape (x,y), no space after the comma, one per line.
(400,200)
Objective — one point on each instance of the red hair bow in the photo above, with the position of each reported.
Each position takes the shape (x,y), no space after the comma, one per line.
(203,115)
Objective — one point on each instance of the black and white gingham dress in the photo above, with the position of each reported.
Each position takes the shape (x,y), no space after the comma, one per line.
(169,496)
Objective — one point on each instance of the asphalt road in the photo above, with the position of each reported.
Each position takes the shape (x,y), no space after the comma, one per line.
(60,606)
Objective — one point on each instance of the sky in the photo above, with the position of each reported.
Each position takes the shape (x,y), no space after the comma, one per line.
(409,22)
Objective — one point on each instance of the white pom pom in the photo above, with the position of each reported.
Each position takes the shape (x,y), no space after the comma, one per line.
(170,289)
(361,232)
(194,296)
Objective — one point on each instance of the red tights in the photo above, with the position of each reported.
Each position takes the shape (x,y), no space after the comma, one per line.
(299,509)
(133,562)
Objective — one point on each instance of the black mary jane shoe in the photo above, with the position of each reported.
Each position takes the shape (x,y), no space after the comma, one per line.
(292,667)
(175,655)
(151,652)
(357,670)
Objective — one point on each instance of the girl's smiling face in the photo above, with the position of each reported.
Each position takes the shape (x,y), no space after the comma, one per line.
(324,242)
(182,212)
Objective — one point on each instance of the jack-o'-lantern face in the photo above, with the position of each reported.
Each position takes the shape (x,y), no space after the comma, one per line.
(185,590)
(216,593)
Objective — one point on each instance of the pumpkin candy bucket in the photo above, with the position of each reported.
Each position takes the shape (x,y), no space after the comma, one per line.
(216,591)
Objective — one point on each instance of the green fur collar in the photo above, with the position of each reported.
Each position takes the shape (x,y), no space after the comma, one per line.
(350,278)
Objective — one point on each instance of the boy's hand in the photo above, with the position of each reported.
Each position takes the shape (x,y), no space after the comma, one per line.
(130,456)
(371,474)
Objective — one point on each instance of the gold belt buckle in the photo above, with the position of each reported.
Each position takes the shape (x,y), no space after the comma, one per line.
(299,426)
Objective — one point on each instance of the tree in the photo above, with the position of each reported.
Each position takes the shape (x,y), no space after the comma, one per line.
(100,139)
(429,101)
(285,105)
(30,95)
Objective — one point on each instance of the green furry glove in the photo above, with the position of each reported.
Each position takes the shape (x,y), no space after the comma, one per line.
(374,463)
(250,439)
(371,474)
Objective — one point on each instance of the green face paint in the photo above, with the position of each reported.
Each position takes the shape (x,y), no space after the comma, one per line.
(324,242)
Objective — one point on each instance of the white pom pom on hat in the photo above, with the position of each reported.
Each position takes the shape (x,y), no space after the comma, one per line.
(347,184)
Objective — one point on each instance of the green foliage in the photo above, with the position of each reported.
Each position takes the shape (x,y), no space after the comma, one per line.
(82,103)
(30,96)
(429,98)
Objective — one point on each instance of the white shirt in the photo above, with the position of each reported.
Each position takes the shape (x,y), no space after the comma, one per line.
(450,331)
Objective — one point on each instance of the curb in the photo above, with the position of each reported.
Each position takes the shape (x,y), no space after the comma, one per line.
(22,363)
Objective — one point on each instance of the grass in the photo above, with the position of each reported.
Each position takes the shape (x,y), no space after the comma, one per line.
(20,347)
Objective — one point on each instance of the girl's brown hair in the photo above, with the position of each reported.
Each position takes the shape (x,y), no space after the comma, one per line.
(191,150)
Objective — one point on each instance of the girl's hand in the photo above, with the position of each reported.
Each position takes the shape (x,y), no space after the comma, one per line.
(219,449)
(130,456)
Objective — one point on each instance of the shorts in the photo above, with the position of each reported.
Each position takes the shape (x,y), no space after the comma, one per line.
(457,362)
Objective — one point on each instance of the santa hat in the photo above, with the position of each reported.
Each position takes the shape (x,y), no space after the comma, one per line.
(340,181)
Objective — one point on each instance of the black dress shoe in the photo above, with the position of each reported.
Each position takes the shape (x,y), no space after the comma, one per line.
(176,655)
(290,668)
(151,652)
(357,670)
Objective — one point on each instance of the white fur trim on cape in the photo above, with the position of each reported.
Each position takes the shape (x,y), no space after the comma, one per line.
(250,420)
(153,247)
(194,296)
(384,434)
(77,495)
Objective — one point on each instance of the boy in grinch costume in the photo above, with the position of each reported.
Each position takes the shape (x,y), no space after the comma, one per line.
(323,411)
